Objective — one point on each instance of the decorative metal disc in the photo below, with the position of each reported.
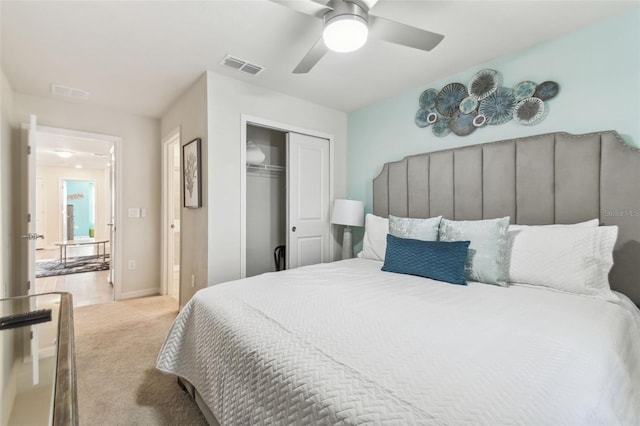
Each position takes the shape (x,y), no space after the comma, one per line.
(428,99)
(484,83)
(524,89)
(462,124)
(468,105)
(480,120)
(529,111)
(547,90)
(441,127)
(449,98)
(421,117)
(498,106)
(432,117)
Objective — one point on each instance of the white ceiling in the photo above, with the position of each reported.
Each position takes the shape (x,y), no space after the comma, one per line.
(139,56)
(87,153)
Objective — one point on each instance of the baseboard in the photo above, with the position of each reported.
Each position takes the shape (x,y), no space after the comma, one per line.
(140,293)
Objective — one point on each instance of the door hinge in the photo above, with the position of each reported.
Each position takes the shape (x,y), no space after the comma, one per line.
(31,334)
(28,217)
(29,285)
(28,149)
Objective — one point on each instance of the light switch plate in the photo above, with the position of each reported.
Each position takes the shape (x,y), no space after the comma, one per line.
(134,212)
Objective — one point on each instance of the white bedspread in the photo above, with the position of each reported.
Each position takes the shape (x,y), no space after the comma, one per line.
(344,343)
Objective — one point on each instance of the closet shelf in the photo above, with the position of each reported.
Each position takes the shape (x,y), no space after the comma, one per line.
(267,167)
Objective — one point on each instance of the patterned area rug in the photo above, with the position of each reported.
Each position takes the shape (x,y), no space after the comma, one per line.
(75,265)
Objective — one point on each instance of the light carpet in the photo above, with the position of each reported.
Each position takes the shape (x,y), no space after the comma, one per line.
(116,346)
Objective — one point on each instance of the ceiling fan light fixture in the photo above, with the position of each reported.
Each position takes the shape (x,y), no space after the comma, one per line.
(345,33)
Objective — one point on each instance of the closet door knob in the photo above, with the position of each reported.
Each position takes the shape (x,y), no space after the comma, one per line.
(293,229)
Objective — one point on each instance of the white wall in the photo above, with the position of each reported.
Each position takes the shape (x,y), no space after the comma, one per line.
(140,186)
(266,202)
(227,100)
(53,177)
(211,110)
(189,113)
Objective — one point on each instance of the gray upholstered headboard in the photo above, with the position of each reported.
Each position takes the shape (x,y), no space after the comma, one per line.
(537,180)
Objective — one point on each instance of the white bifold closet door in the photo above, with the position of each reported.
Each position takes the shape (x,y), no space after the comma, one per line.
(308,227)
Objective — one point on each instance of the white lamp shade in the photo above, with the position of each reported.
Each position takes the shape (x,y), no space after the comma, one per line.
(348,212)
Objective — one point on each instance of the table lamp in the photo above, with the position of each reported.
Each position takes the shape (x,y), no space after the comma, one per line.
(348,213)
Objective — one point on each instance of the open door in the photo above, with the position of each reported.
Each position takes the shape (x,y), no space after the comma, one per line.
(112,216)
(172,211)
(308,180)
(31,235)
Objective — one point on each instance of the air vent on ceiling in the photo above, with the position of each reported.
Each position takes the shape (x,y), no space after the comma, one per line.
(241,65)
(69,92)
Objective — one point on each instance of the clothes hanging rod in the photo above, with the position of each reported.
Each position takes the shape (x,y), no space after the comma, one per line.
(268,167)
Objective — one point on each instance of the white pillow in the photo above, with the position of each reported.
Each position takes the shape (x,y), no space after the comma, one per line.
(574,259)
(374,244)
(589,223)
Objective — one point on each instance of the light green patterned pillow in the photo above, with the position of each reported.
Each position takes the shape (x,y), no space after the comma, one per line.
(487,260)
(416,229)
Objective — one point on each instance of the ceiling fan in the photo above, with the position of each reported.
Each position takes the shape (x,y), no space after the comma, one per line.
(348,23)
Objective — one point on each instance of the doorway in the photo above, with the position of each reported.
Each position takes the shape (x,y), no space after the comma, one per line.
(78,209)
(72,171)
(287,178)
(171,213)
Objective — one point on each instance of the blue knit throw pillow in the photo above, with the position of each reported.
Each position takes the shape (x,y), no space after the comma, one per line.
(438,260)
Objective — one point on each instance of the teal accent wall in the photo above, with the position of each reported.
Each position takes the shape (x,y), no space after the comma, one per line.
(597,68)
(81,195)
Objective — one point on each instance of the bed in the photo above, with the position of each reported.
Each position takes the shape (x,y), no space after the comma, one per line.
(347,343)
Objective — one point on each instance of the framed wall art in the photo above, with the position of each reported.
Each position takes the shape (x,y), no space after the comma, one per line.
(191,175)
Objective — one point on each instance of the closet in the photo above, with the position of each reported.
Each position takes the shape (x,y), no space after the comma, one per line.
(266,198)
(287,200)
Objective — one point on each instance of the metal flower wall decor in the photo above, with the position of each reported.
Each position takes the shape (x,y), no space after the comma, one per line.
(461,109)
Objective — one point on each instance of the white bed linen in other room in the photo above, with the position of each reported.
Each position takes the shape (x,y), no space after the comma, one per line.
(347,343)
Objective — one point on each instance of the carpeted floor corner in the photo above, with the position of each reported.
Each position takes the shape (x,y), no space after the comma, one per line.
(116,346)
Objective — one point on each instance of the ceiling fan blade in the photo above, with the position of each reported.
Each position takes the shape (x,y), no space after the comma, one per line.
(307,7)
(405,35)
(311,58)
(369,3)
